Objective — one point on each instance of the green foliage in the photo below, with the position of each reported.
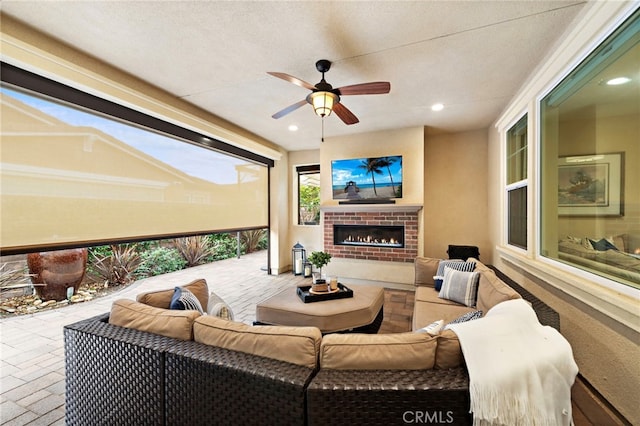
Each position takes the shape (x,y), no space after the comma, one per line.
(160,260)
(195,250)
(399,190)
(309,204)
(252,240)
(114,265)
(224,246)
(319,259)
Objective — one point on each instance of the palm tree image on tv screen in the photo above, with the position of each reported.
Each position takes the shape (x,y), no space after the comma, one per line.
(378,178)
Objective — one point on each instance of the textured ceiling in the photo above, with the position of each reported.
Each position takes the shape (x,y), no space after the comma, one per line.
(472,56)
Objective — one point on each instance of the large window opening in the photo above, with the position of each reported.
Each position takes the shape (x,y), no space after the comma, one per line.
(77,170)
(590,162)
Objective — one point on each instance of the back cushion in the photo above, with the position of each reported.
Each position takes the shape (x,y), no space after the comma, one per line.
(425,268)
(297,345)
(399,351)
(162,298)
(170,323)
(492,290)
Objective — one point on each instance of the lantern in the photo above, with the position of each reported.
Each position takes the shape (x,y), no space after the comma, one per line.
(298,257)
(307,269)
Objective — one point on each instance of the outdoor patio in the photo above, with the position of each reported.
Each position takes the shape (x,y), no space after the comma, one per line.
(32,351)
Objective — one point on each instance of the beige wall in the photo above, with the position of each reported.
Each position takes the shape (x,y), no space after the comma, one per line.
(455,192)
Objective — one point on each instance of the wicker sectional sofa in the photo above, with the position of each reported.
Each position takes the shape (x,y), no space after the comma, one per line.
(119,371)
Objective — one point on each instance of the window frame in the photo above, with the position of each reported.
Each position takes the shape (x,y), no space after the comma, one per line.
(507,187)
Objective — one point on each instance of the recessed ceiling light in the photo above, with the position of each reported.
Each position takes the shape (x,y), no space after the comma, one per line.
(618,81)
(437,107)
(293,128)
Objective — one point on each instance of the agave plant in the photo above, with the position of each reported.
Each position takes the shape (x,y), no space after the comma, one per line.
(116,268)
(195,250)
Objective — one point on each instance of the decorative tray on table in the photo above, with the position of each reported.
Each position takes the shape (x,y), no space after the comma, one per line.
(308,296)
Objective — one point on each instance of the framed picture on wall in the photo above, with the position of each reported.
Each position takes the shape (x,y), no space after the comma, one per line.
(591,185)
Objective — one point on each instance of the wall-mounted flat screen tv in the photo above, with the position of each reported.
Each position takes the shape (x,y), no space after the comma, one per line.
(367,178)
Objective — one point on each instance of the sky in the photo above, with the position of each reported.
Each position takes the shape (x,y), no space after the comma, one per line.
(195,161)
(342,171)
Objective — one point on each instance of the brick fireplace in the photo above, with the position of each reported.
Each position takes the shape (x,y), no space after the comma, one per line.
(370,227)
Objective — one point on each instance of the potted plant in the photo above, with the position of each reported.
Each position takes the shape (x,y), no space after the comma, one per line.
(319,259)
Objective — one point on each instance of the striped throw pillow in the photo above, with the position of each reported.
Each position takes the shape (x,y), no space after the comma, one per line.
(183,300)
(457,264)
(459,286)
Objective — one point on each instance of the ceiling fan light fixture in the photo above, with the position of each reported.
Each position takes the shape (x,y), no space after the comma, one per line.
(323,102)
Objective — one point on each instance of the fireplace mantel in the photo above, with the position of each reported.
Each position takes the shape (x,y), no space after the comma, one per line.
(400,208)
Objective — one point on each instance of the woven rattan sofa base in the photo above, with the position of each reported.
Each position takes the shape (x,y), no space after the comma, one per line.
(121,376)
(385,397)
(209,385)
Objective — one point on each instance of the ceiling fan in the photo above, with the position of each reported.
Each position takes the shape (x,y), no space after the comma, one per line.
(324,98)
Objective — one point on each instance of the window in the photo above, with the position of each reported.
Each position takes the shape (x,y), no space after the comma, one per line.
(517,184)
(590,162)
(308,195)
(102,173)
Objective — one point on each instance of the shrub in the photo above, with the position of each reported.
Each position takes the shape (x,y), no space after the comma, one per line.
(116,265)
(253,240)
(224,246)
(160,260)
(195,250)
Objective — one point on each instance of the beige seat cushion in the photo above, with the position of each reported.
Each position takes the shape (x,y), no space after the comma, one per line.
(297,345)
(492,290)
(166,322)
(399,351)
(162,298)
(428,308)
(425,269)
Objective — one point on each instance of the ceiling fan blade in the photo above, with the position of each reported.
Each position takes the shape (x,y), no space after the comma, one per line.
(373,88)
(289,109)
(344,114)
(292,79)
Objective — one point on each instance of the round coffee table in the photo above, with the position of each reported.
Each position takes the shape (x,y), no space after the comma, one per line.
(361,313)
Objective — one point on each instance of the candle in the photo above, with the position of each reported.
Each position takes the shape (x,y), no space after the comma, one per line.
(298,266)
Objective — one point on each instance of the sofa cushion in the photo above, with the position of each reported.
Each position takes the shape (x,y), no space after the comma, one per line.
(428,307)
(492,290)
(296,345)
(425,269)
(448,352)
(458,286)
(458,265)
(184,300)
(166,322)
(397,351)
(162,298)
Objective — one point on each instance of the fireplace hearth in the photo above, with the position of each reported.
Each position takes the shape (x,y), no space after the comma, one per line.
(368,236)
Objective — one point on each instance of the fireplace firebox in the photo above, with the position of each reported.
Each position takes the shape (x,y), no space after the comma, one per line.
(368,235)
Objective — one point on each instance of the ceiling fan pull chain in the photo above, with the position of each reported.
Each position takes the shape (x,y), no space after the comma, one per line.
(322,140)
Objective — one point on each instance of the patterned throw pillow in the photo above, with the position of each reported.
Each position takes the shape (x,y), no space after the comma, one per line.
(457,264)
(219,308)
(183,300)
(433,328)
(469,316)
(458,286)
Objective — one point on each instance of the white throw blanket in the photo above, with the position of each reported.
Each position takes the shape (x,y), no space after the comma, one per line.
(520,371)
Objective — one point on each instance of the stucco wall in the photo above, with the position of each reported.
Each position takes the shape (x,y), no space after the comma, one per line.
(455,192)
